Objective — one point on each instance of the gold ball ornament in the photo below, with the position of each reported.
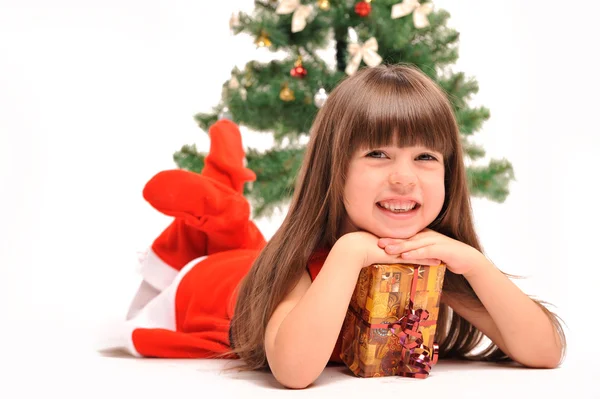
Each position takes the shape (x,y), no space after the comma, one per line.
(286,94)
(324,5)
(263,40)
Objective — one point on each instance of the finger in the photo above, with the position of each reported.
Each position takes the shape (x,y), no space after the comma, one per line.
(407,246)
(424,262)
(419,253)
(392,249)
(383,242)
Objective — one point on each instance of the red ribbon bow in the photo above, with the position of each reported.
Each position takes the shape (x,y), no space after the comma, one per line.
(419,354)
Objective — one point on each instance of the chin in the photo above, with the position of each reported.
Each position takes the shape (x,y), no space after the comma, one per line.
(402,233)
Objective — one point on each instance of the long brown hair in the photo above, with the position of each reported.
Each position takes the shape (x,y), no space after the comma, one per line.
(375,106)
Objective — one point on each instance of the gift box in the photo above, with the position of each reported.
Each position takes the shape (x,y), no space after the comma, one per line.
(391,321)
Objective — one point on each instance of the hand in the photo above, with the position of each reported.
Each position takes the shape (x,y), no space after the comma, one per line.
(459,257)
(365,245)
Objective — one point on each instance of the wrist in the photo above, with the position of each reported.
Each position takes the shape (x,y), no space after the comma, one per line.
(348,247)
(480,266)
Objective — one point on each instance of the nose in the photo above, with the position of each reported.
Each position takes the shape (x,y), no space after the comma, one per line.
(403,179)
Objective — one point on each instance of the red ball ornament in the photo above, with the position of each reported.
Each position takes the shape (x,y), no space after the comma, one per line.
(362,8)
(298,71)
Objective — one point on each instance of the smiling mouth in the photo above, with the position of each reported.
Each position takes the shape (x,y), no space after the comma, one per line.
(397,209)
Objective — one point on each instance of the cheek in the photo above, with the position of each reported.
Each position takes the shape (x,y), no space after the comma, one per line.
(357,184)
(358,196)
(434,190)
(438,193)
(352,195)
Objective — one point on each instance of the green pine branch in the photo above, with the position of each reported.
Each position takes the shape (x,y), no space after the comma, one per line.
(491,181)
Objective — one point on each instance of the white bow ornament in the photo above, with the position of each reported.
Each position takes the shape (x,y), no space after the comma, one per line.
(301,13)
(367,52)
(420,12)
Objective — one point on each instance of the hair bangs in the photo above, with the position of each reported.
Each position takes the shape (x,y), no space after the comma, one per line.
(396,112)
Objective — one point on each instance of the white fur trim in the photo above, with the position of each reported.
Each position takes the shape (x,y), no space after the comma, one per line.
(145,293)
(117,336)
(159,312)
(155,271)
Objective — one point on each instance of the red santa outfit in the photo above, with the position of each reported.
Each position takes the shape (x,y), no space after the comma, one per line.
(191,271)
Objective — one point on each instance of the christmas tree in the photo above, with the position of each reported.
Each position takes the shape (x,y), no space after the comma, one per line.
(282,97)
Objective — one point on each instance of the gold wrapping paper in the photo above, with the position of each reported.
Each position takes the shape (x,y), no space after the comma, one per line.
(391,321)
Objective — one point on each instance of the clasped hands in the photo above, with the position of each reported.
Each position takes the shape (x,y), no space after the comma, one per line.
(430,247)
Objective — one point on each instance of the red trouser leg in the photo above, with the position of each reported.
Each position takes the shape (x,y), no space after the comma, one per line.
(191,318)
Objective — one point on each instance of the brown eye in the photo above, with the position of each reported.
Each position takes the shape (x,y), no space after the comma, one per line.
(429,157)
(376,154)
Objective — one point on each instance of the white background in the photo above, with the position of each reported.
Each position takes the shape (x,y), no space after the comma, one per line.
(96,96)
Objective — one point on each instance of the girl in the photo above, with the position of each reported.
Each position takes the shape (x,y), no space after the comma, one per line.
(383,181)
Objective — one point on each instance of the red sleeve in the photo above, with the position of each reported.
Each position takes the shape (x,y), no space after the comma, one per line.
(316,261)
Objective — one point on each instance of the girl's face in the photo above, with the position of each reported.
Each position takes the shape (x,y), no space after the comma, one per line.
(393,192)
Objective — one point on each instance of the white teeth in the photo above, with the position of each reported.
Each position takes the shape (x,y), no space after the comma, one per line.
(398,208)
